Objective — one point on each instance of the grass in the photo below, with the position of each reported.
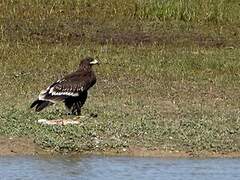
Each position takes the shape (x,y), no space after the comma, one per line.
(216,11)
(168,79)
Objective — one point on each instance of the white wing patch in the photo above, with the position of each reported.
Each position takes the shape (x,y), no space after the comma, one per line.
(81,89)
(42,96)
(66,93)
(60,80)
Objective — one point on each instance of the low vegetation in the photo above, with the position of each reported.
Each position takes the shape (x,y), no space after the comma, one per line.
(168,79)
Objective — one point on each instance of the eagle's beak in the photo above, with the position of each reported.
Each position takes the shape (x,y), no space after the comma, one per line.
(94,62)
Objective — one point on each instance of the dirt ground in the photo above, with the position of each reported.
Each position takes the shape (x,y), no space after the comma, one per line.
(146,152)
(17,146)
(25,146)
(138,38)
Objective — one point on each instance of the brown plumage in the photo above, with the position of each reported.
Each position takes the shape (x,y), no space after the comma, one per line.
(71,89)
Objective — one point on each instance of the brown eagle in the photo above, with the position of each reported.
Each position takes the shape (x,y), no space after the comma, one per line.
(71,89)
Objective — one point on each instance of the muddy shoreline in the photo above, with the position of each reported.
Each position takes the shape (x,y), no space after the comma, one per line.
(25,146)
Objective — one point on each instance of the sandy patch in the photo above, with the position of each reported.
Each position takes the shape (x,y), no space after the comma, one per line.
(26,146)
(155,152)
(17,146)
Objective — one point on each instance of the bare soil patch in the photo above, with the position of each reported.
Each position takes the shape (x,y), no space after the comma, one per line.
(135,38)
(26,146)
(156,152)
(162,38)
(74,32)
(17,146)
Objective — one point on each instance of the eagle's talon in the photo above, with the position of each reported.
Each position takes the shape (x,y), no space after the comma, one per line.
(94,115)
(69,113)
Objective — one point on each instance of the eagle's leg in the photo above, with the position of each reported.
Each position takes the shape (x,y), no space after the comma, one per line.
(83,98)
(69,103)
(76,110)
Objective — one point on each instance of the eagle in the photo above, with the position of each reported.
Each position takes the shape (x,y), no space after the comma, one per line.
(72,89)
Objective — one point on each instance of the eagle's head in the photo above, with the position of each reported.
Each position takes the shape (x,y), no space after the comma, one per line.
(88,61)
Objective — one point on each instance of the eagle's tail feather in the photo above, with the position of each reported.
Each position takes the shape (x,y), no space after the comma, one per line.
(34,103)
(40,104)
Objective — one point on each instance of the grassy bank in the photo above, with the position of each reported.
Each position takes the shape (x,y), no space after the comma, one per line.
(166,81)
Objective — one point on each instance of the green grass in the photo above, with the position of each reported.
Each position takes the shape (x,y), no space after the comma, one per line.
(216,11)
(169,73)
(174,99)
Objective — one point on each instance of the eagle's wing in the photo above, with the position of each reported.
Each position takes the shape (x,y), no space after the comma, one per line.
(68,86)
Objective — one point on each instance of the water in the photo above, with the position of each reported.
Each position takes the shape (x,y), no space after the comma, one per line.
(117,168)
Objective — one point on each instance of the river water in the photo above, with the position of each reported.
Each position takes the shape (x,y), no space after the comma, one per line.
(117,168)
